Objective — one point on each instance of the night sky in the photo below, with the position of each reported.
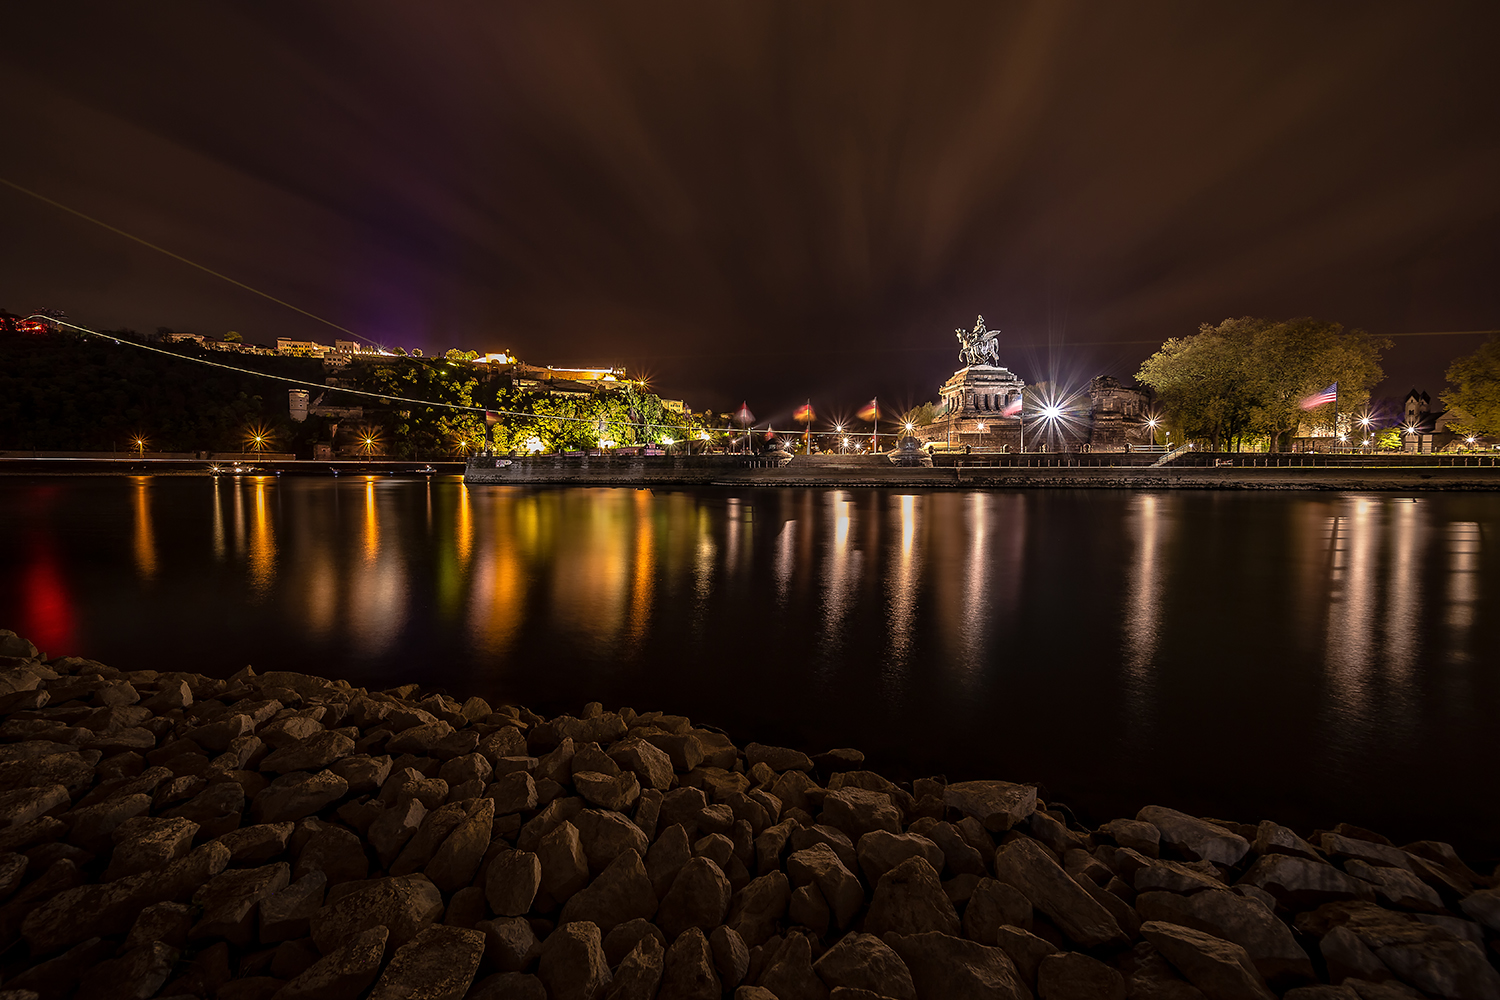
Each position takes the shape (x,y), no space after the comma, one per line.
(765,201)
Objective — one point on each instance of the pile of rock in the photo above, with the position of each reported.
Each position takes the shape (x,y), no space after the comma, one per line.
(275,835)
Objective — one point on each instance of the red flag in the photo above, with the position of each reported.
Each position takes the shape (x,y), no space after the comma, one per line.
(803,414)
(870,411)
(491,418)
(1013,407)
(743,416)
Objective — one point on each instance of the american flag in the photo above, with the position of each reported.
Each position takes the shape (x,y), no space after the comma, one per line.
(1317,399)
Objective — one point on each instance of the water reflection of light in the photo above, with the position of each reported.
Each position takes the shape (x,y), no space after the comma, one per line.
(1353,609)
(1463,591)
(497,596)
(785,559)
(47,616)
(732,541)
(239,515)
(378,590)
(902,585)
(703,560)
(145,537)
(262,547)
(590,576)
(218,524)
(1403,592)
(842,571)
(1143,609)
(372,524)
(642,583)
(465,540)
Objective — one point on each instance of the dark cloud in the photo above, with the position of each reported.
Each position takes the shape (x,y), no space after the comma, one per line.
(762,200)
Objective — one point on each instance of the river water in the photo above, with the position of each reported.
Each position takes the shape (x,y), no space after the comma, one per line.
(1308,657)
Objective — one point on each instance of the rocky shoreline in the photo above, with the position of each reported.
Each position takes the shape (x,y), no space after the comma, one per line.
(278,835)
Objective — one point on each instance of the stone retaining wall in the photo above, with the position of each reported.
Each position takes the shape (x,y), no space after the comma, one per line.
(276,835)
(648,472)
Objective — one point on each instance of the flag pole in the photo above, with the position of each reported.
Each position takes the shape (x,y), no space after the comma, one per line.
(807,430)
(875,438)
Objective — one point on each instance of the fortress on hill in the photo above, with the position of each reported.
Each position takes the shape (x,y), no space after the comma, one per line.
(987,407)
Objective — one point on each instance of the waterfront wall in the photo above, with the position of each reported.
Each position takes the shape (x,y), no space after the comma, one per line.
(1019,472)
(282,835)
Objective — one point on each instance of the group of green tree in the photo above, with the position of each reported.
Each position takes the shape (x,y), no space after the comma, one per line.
(65,392)
(1474,390)
(1245,379)
(1243,382)
(529,417)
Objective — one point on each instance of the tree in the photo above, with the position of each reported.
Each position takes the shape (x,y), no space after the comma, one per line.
(1475,389)
(233,337)
(1251,375)
(1200,380)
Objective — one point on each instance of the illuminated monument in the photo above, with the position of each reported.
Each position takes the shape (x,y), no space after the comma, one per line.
(981,401)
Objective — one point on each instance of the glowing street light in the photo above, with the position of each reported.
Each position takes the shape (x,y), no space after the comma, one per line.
(140,446)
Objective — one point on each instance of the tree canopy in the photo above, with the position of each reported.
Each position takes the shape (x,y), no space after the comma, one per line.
(1475,389)
(1249,376)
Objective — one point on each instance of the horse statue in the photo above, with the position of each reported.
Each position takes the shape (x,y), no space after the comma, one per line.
(978,346)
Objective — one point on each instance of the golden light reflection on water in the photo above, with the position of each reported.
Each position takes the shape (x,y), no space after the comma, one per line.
(1143,607)
(497,598)
(144,535)
(372,524)
(218,523)
(262,547)
(378,593)
(842,563)
(591,563)
(902,583)
(643,580)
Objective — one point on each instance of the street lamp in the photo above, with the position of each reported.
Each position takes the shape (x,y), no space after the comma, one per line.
(140,447)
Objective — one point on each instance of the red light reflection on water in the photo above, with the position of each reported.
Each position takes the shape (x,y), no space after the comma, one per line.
(47,615)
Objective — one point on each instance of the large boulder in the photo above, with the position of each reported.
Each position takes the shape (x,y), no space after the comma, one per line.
(1075,976)
(299,794)
(342,975)
(622,892)
(819,865)
(1221,969)
(863,961)
(512,882)
(1300,883)
(910,900)
(98,910)
(999,805)
(756,909)
(688,969)
(699,898)
(944,966)
(231,901)
(639,974)
(438,964)
(1026,866)
(1198,840)
(857,811)
(403,904)
(879,851)
(572,965)
(1228,915)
